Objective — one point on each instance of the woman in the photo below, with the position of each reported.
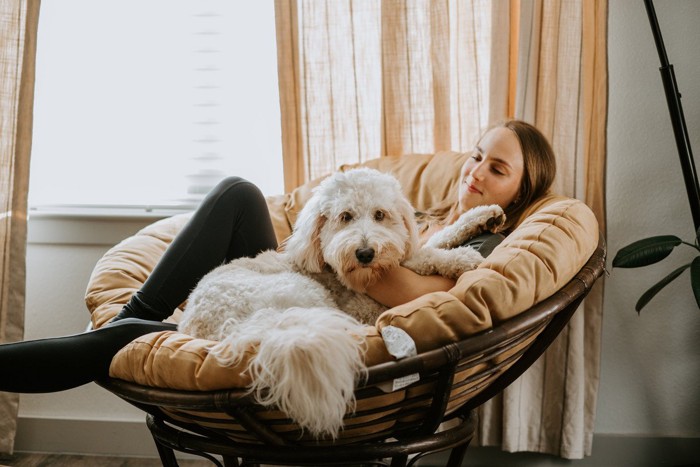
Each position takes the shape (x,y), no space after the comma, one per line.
(512,166)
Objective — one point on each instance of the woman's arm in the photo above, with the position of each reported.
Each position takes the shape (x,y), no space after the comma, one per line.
(400,285)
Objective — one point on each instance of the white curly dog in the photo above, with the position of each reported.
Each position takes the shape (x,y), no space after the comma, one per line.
(303,310)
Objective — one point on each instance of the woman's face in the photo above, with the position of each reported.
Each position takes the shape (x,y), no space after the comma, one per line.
(493,173)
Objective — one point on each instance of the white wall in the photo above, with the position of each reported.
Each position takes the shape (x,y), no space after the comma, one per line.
(61,255)
(650,368)
(650,378)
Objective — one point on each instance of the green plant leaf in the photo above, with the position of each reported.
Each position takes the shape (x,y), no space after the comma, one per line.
(656,288)
(695,279)
(645,252)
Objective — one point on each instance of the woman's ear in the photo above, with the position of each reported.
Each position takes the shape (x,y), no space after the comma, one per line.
(304,245)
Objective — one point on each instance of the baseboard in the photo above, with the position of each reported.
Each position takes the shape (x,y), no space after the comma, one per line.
(132,439)
(91,437)
(608,450)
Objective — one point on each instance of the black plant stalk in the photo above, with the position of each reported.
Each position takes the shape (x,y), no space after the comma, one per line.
(654,249)
(680,130)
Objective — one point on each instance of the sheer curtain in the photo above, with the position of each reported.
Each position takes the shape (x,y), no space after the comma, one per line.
(18,26)
(562,89)
(361,78)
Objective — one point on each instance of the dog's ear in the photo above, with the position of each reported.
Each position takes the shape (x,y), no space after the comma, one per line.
(408,214)
(304,245)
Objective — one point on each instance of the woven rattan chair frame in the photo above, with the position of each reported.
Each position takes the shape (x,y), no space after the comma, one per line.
(454,380)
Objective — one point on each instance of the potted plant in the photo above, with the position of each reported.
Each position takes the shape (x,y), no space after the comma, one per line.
(654,249)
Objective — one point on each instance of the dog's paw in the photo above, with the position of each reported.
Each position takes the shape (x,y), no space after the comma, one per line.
(496,224)
(448,263)
(470,224)
(490,218)
(465,258)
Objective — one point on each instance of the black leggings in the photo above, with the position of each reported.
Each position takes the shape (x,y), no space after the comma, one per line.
(232,222)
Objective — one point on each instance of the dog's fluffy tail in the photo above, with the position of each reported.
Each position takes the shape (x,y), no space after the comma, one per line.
(307,363)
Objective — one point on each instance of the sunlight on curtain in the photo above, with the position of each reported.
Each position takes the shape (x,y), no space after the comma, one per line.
(361,78)
(18,24)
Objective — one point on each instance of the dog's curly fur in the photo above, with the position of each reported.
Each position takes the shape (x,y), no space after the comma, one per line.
(303,310)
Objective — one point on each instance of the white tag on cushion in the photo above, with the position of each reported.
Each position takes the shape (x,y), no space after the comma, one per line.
(398,342)
(400,345)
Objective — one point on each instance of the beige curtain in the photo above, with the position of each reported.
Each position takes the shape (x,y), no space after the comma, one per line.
(365,78)
(561,88)
(18,27)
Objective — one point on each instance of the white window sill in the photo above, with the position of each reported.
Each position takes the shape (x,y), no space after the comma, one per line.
(93,225)
(112,212)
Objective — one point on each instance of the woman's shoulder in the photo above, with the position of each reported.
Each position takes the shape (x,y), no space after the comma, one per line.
(485,242)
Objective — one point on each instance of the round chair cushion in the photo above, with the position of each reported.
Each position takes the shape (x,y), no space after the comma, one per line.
(550,244)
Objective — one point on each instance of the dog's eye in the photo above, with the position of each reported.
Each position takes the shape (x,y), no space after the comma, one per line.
(346,216)
(379,216)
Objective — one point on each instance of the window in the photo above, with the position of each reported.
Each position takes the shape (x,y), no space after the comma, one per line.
(151,102)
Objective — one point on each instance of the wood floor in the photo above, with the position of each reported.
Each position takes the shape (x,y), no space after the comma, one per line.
(56,460)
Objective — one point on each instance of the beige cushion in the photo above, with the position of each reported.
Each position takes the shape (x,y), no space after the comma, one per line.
(540,256)
(551,243)
(125,267)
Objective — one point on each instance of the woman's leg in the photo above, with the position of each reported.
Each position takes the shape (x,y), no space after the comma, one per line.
(55,364)
(232,222)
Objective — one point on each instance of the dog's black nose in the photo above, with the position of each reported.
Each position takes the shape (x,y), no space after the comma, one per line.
(364,255)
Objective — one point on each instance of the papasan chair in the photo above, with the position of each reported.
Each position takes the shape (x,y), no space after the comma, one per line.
(472,341)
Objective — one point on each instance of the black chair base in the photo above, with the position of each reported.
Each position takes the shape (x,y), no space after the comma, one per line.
(394,453)
(454,380)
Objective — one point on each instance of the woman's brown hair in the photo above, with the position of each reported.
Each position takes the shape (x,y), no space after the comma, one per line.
(539,166)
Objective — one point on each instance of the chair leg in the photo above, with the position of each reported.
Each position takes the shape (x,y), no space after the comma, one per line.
(457,455)
(167,455)
(399,461)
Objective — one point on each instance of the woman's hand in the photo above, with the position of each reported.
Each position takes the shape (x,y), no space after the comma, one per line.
(401,285)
